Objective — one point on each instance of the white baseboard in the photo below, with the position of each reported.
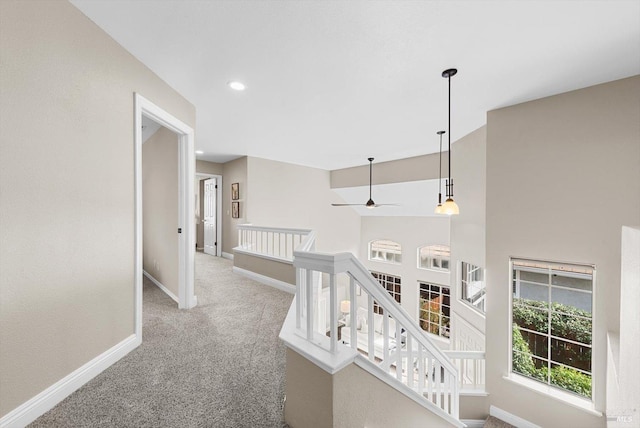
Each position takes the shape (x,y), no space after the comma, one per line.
(511,419)
(276,283)
(32,409)
(162,287)
(227,255)
(473,423)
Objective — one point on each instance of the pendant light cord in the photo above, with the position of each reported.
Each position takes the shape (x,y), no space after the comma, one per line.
(440,170)
(450,184)
(370,176)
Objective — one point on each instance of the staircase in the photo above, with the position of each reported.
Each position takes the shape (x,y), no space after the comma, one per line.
(341,315)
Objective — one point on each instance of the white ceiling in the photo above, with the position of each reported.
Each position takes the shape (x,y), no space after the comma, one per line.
(332,82)
(149,127)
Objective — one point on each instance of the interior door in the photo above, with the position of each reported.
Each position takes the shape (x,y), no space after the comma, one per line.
(210,238)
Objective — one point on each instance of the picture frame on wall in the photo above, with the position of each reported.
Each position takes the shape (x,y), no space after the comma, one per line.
(235,191)
(235,210)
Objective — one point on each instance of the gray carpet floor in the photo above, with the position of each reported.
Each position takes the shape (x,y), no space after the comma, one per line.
(220,364)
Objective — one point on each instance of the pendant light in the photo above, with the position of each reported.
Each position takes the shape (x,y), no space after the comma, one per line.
(450,207)
(439,209)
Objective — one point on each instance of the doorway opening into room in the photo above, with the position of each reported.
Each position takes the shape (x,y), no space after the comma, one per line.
(184,227)
(209,214)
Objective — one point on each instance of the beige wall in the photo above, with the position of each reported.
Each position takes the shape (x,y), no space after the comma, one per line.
(160,208)
(234,171)
(287,195)
(468,228)
(563,177)
(309,392)
(205,167)
(362,400)
(411,233)
(397,171)
(67,266)
(350,398)
(281,271)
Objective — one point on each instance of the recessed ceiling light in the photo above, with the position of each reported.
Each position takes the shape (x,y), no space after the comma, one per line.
(236,86)
(199,152)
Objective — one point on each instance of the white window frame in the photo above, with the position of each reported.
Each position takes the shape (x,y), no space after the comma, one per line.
(465,281)
(432,257)
(574,399)
(385,259)
(420,319)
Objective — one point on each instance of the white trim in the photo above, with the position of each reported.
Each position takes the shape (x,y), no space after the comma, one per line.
(511,419)
(549,391)
(218,209)
(186,204)
(473,423)
(35,407)
(275,283)
(162,287)
(227,255)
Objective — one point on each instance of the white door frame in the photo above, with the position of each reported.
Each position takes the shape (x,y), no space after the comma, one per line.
(218,209)
(186,202)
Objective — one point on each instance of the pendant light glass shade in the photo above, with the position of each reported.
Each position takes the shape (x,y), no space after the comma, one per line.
(439,209)
(449,207)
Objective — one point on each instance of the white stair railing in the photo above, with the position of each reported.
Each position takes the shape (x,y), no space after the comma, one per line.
(391,346)
(272,242)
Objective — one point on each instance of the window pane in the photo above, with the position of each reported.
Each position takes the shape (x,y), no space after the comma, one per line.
(434,257)
(531,291)
(531,318)
(572,327)
(572,300)
(571,380)
(571,354)
(538,343)
(539,277)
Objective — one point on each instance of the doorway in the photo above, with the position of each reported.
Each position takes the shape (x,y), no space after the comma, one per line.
(209,214)
(186,201)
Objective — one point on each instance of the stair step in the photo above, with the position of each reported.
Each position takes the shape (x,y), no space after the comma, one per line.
(493,422)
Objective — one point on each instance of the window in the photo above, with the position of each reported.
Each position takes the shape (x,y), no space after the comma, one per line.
(434,257)
(390,283)
(472,285)
(435,309)
(385,251)
(552,323)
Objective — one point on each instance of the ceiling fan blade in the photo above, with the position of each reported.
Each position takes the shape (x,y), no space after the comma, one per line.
(387,205)
(347,205)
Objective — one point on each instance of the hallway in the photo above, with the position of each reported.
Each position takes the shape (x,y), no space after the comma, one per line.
(220,364)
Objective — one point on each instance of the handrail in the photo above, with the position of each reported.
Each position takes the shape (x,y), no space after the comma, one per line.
(404,352)
(270,242)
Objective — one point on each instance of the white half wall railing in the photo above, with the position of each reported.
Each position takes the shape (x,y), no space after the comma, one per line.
(471,371)
(341,315)
(270,242)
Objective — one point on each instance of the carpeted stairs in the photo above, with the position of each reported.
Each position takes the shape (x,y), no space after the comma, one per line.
(493,422)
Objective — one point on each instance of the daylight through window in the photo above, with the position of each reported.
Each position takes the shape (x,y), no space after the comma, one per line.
(434,257)
(390,283)
(435,309)
(385,251)
(552,323)
(472,290)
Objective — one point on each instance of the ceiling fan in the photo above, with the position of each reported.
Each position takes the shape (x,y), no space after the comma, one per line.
(370,204)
